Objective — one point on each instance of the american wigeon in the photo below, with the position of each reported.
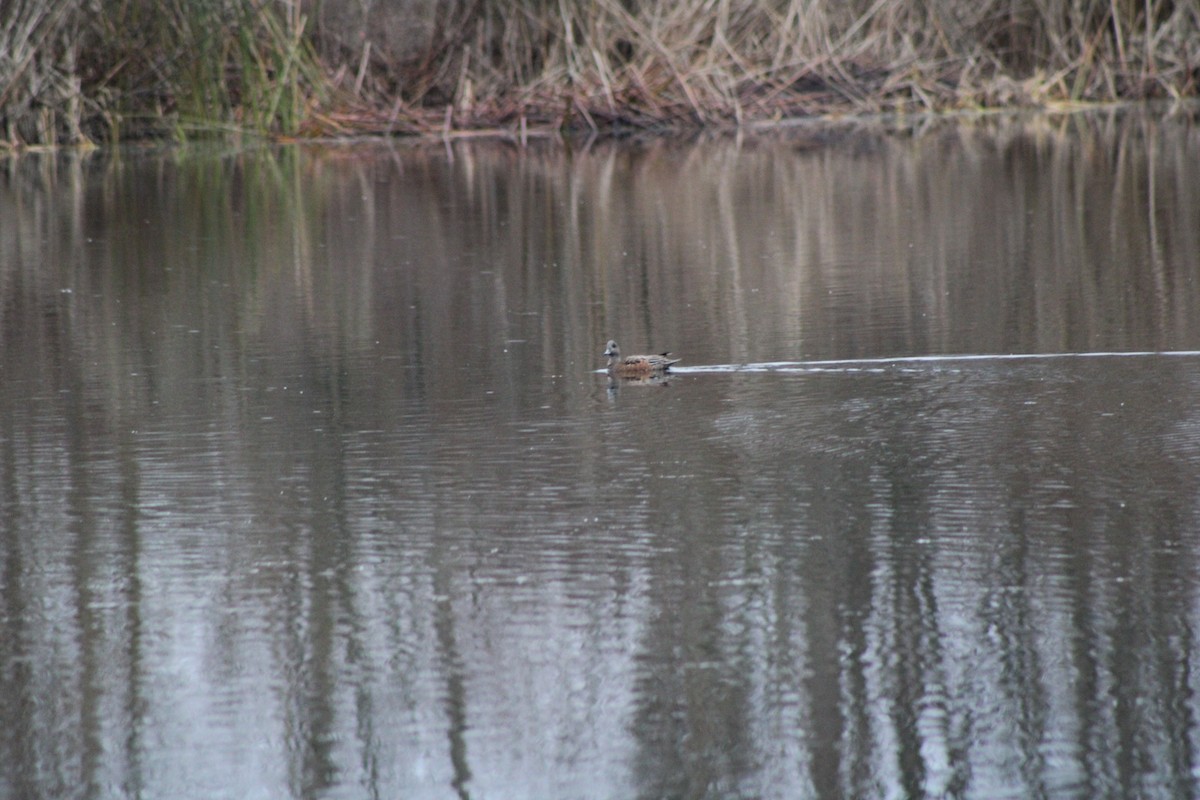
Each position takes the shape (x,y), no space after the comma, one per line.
(636,366)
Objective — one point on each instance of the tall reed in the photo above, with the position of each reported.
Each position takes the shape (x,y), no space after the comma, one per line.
(599,61)
(80,70)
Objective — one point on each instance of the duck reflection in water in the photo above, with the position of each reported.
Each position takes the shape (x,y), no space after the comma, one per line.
(639,370)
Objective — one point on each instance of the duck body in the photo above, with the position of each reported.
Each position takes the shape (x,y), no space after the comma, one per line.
(637,366)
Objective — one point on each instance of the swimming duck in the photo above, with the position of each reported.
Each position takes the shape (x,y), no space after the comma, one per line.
(636,366)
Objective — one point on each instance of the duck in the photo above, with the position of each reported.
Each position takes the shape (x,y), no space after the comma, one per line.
(637,366)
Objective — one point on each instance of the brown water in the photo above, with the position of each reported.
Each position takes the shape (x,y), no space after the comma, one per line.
(309,486)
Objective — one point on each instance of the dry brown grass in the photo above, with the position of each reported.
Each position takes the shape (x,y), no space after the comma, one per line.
(68,73)
(601,62)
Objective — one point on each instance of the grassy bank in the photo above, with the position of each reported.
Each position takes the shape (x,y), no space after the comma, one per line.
(77,71)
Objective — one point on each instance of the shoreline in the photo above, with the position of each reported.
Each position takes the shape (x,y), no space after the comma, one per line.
(829,125)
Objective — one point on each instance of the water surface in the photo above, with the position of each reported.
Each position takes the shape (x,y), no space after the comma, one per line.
(309,486)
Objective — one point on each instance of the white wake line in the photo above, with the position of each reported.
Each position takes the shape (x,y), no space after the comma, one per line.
(858,363)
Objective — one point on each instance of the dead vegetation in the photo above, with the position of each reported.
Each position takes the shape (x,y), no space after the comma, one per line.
(74,71)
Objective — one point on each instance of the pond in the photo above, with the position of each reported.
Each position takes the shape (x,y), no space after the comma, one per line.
(312,483)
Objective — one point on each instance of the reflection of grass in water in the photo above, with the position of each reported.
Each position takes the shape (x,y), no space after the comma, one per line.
(195,67)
